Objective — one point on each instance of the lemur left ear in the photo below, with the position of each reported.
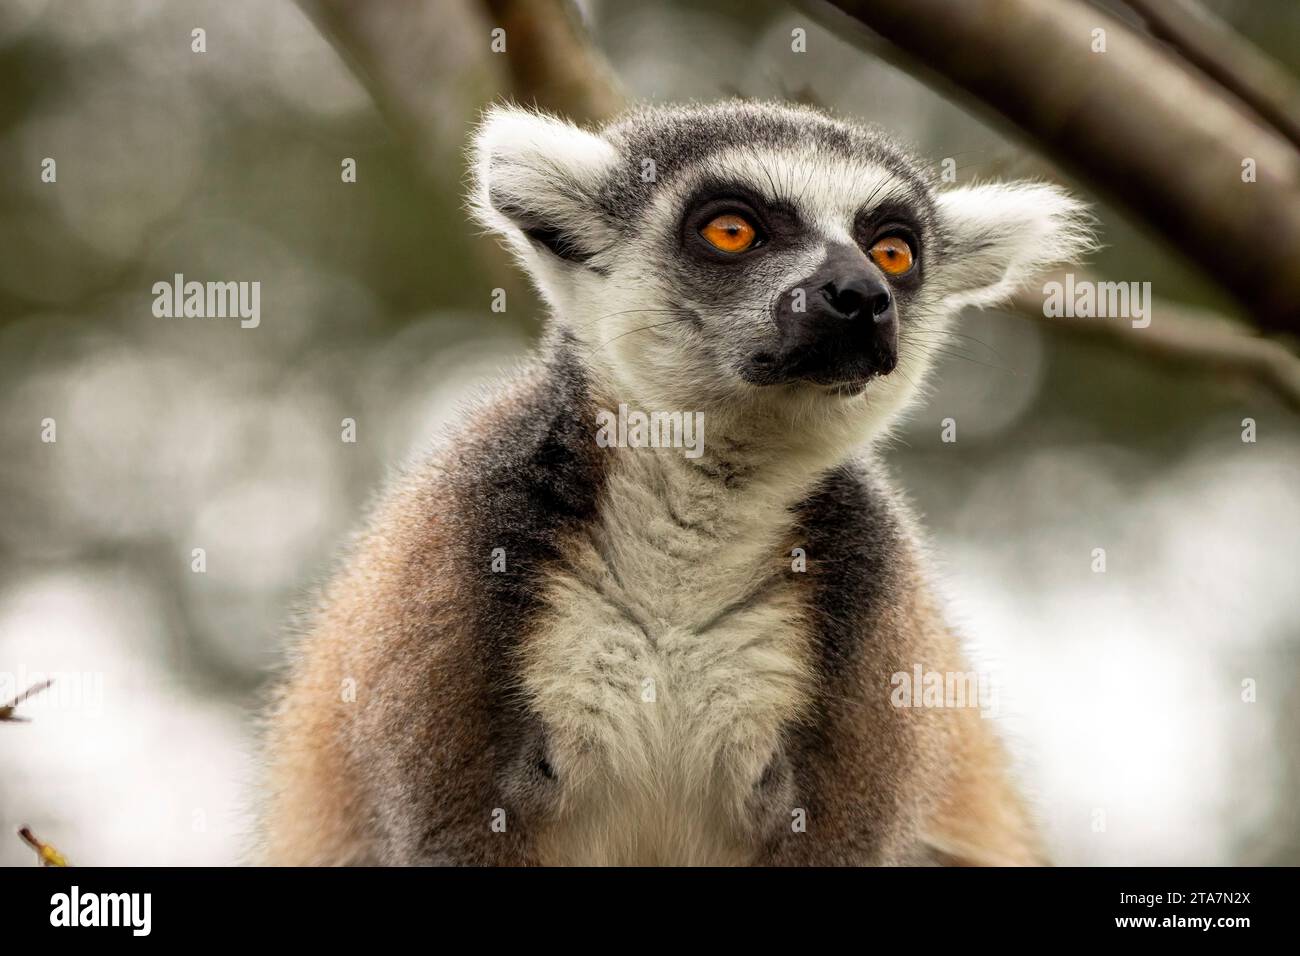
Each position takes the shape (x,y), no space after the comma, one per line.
(1002,235)
(536,179)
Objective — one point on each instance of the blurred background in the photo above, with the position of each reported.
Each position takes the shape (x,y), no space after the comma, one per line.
(1122,692)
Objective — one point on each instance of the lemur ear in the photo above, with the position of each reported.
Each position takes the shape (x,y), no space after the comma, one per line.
(1002,235)
(536,179)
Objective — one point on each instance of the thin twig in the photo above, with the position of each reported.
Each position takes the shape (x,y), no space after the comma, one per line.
(47,854)
(7,710)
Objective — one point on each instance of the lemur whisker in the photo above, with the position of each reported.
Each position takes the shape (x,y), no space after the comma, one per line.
(946,331)
(949,333)
(928,335)
(766,172)
(644,328)
(948,353)
(866,204)
(906,378)
(812,169)
(666,311)
(611,315)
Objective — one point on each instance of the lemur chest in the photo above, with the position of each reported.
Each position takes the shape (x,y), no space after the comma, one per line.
(666,671)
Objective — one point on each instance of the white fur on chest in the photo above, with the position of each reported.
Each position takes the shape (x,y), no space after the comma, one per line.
(665,672)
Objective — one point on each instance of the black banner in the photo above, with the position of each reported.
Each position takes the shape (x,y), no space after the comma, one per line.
(937,906)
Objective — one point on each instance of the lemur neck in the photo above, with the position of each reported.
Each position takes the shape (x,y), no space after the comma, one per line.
(671,528)
(717,467)
(742,464)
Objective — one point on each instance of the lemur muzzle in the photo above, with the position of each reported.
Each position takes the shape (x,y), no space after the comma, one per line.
(840,325)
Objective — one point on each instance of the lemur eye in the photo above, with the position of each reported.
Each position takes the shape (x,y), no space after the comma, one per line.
(892,254)
(730,233)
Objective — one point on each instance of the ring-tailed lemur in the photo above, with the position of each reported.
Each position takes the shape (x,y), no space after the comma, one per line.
(552,647)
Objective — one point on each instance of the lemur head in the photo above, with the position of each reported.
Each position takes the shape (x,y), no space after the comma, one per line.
(756,256)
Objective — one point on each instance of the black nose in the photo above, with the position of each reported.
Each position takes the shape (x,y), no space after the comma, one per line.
(839,326)
(857,296)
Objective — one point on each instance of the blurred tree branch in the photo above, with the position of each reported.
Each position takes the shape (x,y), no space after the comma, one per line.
(393,73)
(403,52)
(1120,118)
(1226,57)
(551,63)
(1165,141)
(417,63)
(1183,338)
(429,66)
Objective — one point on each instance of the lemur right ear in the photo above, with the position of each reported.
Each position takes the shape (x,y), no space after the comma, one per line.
(1001,235)
(536,179)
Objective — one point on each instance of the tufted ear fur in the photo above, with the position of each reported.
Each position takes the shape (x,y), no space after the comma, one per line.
(1002,235)
(536,179)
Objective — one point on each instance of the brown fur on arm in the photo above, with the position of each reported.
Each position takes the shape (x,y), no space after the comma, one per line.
(401,771)
(314,801)
(318,810)
(981,819)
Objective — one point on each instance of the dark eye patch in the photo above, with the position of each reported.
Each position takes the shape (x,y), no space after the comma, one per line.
(892,218)
(777,223)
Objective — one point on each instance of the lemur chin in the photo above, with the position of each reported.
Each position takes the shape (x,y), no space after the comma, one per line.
(549,649)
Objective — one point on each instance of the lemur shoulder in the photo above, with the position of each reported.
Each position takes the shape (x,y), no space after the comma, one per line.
(569,653)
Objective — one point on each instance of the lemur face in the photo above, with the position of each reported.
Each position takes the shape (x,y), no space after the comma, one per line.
(803,283)
(741,252)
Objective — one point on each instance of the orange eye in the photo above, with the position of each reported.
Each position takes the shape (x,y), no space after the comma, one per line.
(893,255)
(730,233)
